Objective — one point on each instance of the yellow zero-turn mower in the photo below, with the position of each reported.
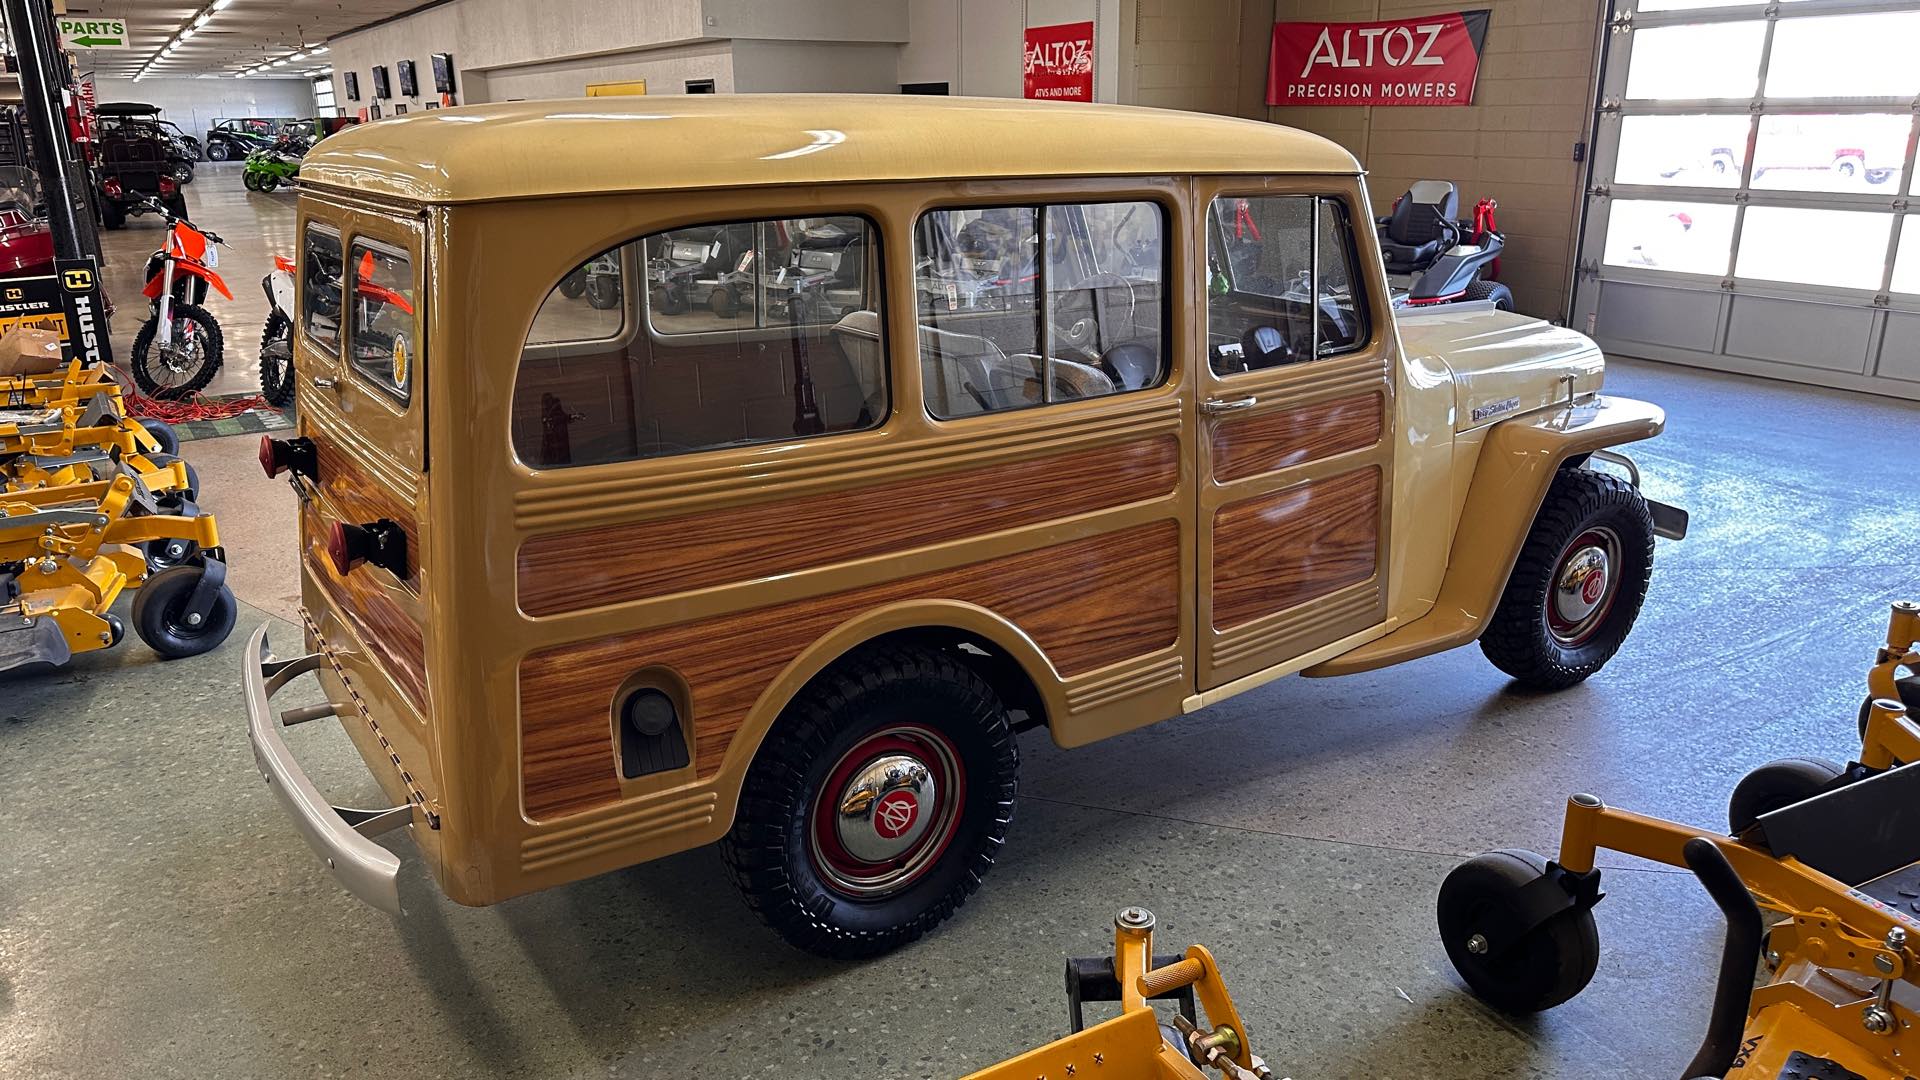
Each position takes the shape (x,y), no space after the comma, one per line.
(1836,864)
(1137,1045)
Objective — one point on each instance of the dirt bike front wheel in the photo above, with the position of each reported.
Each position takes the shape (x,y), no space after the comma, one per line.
(185,365)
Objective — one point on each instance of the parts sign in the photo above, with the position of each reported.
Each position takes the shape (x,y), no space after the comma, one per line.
(1430,60)
(93,33)
(1059,62)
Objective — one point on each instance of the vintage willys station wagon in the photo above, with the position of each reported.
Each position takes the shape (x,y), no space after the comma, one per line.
(751,470)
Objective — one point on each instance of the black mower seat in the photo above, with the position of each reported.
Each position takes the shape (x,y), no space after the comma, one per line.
(1421,226)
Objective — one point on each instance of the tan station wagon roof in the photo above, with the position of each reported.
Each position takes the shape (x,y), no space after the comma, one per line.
(529,149)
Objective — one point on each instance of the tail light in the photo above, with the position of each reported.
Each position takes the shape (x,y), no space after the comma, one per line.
(289,455)
(382,543)
(111,186)
(167,186)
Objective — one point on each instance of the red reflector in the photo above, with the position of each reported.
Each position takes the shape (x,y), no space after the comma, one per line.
(337,548)
(167,186)
(111,186)
(269,457)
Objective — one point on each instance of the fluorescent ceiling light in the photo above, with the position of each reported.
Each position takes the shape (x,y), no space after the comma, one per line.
(282,62)
(221,5)
(317,50)
(202,19)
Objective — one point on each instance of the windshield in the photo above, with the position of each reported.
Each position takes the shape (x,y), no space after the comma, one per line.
(19,191)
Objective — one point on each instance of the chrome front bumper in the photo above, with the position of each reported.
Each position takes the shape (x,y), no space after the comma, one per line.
(339,835)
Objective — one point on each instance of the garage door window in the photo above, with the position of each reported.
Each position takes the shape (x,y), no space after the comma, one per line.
(1282,283)
(1679,237)
(1851,251)
(1038,305)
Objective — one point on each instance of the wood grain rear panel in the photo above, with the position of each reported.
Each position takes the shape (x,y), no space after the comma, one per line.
(390,633)
(358,499)
(1086,604)
(1290,546)
(617,563)
(1287,437)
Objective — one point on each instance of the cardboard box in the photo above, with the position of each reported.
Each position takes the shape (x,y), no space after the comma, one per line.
(27,351)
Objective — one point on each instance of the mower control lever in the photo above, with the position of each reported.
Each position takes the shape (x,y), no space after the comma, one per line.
(1734,992)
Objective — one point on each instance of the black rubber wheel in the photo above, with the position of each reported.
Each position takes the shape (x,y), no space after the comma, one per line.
(1501,296)
(145,365)
(1552,963)
(182,172)
(1909,688)
(116,630)
(250,181)
(163,434)
(199,152)
(267,183)
(169,552)
(1774,785)
(785,848)
(603,292)
(669,302)
(112,215)
(218,151)
(159,614)
(276,360)
(177,206)
(723,303)
(574,285)
(1564,614)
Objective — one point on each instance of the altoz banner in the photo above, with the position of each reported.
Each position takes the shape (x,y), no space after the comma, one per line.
(1059,62)
(1430,60)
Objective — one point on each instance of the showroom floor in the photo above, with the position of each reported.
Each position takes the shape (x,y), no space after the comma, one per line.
(159,918)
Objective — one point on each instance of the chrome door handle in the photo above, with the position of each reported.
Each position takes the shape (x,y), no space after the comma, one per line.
(1218,406)
(324,383)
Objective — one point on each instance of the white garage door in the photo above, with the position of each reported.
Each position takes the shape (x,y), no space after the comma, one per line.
(1753,203)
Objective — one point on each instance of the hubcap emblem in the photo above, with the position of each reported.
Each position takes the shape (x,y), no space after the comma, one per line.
(894,814)
(1595,586)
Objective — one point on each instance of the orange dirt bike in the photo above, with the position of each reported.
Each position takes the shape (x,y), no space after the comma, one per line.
(276,337)
(179,348)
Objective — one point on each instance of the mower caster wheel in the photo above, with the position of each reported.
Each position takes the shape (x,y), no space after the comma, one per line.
(115,630)
(1909,696)
(1548,965)
(1777,784)
(169,552)
(160,614)
(163,434)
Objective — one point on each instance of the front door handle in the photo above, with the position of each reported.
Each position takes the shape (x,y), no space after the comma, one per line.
(1218,406)
(324,383)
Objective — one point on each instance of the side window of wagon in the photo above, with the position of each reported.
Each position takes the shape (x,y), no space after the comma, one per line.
(383,337)
(320,287)
(1036,305)
(706,337)
(1283,283)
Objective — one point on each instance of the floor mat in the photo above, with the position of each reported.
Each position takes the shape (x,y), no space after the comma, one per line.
(251,422)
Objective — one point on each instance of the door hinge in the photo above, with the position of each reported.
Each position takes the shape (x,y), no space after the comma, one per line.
(1622,23)
(1590,268)
(1726,284)
(1600,191)
(1882,300)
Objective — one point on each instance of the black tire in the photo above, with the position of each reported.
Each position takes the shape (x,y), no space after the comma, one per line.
(199,152)
(669,302)
(838,721)
(723,303)
(1524,638)
(217,150)
(159,614)
(250,181)
(267,183)
(182,172)
(276,360)
(603,292)
(1501,296)
(574,285)
(1909,688)
(116,630)
(143,363)
(113,215)
(1777,784)
(177,206)
(169,552)
(1552,963)
(163,434)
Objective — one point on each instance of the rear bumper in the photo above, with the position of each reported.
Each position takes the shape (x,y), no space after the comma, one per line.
(338,835)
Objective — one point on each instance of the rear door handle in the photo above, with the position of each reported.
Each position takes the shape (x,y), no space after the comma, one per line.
(324,383)
(1218,406)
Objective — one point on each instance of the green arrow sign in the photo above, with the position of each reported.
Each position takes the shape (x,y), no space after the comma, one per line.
(94,33)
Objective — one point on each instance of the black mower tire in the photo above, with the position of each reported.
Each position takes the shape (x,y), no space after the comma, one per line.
(143,346)
(1518,639)
(1501,296)
(158,609)
(666,302)
(768,851)
(603,291)
(163,434)
(1909,688)
(1552,963)
(169,552)
(723,303)
(1775,785)
(276,373)
(574,285)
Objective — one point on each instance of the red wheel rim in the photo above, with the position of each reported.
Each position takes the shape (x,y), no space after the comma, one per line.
(887,811)
(1582,587)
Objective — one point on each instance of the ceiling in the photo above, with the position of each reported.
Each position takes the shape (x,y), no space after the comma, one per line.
(238,37)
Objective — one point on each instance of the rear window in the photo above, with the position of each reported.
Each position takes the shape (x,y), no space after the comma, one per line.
(320,287)
(384,337)
(703,338)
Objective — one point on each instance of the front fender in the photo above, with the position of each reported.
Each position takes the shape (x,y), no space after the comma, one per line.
(1515,467)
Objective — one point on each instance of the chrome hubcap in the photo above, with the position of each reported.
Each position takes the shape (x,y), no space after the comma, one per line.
(886,811)
(886,807)
(1583,586)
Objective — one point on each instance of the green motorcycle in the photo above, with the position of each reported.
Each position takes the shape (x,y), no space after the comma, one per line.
(268,169)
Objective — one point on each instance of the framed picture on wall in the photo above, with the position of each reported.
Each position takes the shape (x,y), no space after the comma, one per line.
(353,85)
(433,104)
(443,73)
(399,108)
(409,85)
(382,85)
(373,111)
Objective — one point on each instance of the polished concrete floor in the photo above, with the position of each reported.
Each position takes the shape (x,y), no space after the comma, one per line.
(255,226)
(158,917)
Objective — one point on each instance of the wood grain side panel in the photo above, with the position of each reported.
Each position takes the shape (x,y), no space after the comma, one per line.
(618,563)
(1290,546)
(1087,604)
(1288,437)
(357,498)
